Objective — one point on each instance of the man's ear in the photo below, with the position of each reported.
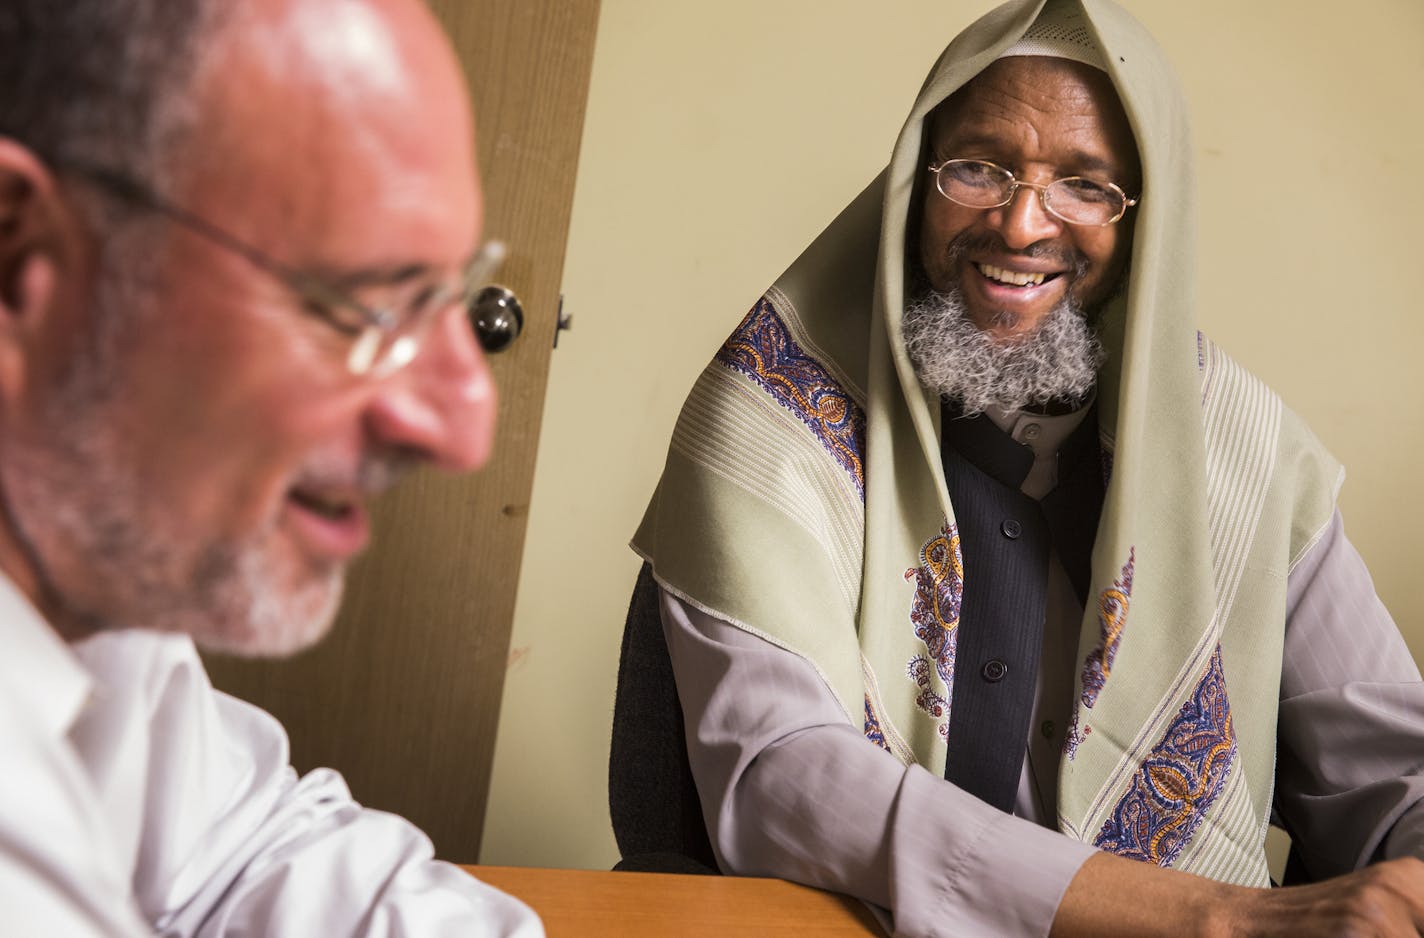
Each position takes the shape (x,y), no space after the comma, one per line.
(29,224)
(31,236)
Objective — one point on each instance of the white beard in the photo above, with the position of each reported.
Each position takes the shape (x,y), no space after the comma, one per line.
(1057,361)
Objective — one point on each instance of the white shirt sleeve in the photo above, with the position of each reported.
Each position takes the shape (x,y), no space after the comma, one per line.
(221,836)
(789,788)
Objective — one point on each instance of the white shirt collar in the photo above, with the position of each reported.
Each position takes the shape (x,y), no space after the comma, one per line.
(39,671)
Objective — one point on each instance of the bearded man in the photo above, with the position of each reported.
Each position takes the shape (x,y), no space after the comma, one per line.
(995,594)
(232,307)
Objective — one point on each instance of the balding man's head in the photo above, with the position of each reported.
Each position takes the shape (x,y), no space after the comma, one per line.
(188,435)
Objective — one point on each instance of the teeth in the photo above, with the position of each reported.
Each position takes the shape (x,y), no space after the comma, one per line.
(1010,276)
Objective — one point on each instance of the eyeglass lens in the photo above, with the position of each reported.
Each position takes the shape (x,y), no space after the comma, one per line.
(380,350)
(977,184)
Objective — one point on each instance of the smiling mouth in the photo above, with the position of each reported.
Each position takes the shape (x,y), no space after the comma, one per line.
(330,507)
(1014,278)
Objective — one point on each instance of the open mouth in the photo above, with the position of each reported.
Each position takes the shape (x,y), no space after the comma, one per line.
(328,522)
(327,506)
(1014,278)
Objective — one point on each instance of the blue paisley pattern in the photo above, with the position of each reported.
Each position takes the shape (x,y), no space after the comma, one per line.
(934,614)
(1113,603)
(762,349)
(1179,779)
(873,732)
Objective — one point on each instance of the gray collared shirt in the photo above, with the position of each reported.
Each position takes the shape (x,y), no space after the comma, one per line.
(789,788)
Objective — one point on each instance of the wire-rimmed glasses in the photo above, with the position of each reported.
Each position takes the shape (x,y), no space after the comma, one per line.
(1076,200)
(384,338)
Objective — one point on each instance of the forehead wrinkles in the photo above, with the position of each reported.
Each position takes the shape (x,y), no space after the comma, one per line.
(1041,105)
(1024,104)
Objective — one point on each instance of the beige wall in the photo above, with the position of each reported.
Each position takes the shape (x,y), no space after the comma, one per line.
(721,137)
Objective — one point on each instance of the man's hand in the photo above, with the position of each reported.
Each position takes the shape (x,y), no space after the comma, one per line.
(1112,896)
(1386,899)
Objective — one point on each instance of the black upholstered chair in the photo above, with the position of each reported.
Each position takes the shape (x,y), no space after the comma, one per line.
(657,819)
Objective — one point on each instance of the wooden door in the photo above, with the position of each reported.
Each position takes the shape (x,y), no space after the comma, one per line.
(403,696)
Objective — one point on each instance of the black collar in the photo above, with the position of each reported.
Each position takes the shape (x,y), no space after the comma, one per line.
(986,447)
(1001,457)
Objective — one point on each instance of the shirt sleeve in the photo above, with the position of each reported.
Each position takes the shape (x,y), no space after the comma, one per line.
(1350,768)
(789,788)
(229,841)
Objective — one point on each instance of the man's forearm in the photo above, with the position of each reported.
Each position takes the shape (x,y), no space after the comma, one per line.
(793,790)
(1112,897)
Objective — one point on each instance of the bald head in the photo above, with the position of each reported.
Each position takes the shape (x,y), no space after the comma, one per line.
(338,116)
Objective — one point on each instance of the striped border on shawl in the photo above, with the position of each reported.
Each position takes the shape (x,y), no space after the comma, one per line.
(742,433)
(1241,423)
(737,432)
(1222,858)
(763,349)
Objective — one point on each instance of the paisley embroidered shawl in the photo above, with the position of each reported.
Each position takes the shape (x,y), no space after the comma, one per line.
(803,500)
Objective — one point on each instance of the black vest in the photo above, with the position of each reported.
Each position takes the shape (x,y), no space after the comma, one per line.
(1005,538)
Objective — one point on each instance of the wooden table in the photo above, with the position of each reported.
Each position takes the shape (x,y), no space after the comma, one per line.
(595,904)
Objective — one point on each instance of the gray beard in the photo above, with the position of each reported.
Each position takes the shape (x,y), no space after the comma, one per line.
(1058,361)
(76,494)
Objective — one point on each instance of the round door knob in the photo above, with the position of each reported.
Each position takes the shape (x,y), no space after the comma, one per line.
(497,317)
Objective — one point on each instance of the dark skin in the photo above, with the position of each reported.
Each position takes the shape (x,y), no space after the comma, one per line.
(1043,119)
(1384,900)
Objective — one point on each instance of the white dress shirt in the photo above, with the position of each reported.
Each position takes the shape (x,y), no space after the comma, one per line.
(137,800)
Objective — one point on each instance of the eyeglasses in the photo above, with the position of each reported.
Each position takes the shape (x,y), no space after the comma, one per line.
(1073,199)
(384,338)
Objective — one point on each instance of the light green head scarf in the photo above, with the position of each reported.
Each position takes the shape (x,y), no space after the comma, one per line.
(804,500)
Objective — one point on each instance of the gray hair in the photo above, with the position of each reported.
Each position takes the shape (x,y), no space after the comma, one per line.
(102,81)
(953,357)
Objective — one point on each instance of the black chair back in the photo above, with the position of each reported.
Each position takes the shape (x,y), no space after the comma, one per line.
(652,798)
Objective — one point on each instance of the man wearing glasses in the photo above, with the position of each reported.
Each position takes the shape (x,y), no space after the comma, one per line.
(236,247)
(984,575)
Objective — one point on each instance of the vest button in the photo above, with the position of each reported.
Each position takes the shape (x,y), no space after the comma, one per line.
(1011,528)
(994,670)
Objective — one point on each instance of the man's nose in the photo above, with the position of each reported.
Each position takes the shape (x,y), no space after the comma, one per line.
(1023,220)
(441,406)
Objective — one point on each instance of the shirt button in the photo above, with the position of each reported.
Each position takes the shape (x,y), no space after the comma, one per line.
(1031,431)
(994,670)
(1011,528)
(1047,729)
